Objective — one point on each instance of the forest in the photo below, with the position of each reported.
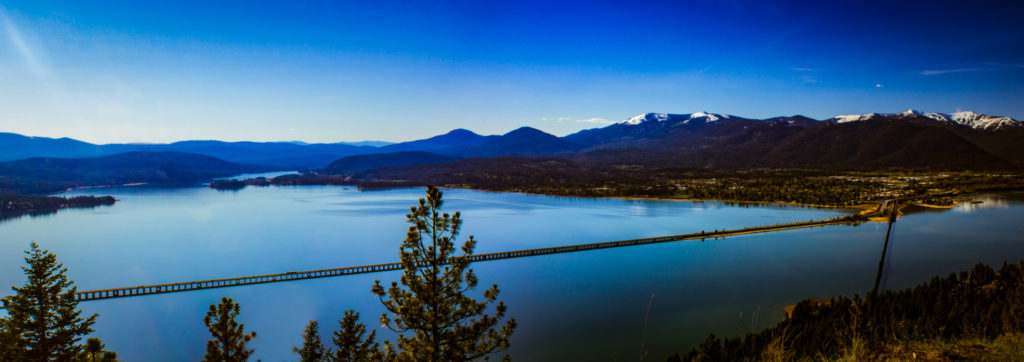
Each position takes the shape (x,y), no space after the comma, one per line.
(981,304)
(19,204)
(566,178)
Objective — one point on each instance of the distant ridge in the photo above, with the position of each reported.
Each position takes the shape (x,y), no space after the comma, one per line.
(523,141)
(351,164)
(699,139)
(45,175)
(456,138)
(15,147)
(966,118)
(879,143)
(906,140)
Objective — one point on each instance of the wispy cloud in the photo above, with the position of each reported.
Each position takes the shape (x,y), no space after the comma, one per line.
(802,69)
(780,37)
(34,62)
(595,121)
(879,85)
(948,71)
(979,67)
(557,119)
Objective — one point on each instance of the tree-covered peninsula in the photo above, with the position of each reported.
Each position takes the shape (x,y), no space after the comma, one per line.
(22,204)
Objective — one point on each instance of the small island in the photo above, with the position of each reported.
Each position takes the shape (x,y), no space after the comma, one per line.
(22,204)
(235,185)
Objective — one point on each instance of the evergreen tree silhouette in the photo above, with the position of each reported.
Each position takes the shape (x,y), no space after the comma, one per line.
(93,347)
(352,342)
(44,322)
(229,337)
(431,303)
(312,347)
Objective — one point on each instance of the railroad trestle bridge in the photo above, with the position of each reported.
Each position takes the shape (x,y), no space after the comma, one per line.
(88,295)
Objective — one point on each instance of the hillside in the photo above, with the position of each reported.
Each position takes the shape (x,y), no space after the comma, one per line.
(982,305)
(279,155)
(16,147)
(523,141)
(881,143)
(374,160)
(455,139)
(1007,143)
(42,175)
(868,145)
(910,139)
(661,131)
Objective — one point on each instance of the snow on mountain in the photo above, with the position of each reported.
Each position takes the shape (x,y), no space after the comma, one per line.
(708,117)
(843,118)
(638,119)
(968,118)
(684,118)
(983,121)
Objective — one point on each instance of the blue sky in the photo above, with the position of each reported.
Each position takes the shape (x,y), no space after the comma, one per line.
(137,71)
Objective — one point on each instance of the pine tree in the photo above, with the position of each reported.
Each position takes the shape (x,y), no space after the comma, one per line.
(93,348)
(351,343)
(229,337)
(312,348)
(44,322)
(109,356)
(447,325)
(8,342)
(94,352)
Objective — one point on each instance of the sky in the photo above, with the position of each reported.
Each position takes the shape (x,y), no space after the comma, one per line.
(333,71)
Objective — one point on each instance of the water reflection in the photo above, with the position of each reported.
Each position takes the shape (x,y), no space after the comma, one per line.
(578,306)
(983,202)
(10,217)
(268,175)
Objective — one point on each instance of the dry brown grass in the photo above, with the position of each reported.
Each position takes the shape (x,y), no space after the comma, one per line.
(1004,348)
(776,351)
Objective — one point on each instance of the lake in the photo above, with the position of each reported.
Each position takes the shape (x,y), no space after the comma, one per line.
(611,304)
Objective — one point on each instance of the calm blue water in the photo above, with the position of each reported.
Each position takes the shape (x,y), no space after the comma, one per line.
(588,305)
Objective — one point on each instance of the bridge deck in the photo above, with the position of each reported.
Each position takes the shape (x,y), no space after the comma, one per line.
(88,295)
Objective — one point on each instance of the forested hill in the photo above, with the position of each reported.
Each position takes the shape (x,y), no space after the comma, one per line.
(44,175)
(281,155)
(375,160)
(911,139)
(654,144)
(981,305)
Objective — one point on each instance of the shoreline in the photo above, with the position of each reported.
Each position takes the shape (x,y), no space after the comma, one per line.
(863,207)
(132,184)
(75,202)
(943,207)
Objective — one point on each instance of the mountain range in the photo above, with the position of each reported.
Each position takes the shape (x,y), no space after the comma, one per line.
(47,174)
(910,139)
(290,155)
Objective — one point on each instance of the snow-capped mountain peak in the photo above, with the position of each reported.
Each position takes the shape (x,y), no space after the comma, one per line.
(966,118)
(843,118)
(708,117)
(638,119)
(683,118)
(983,121)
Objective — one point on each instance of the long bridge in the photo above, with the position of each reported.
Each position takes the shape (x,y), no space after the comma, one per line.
(98,294)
